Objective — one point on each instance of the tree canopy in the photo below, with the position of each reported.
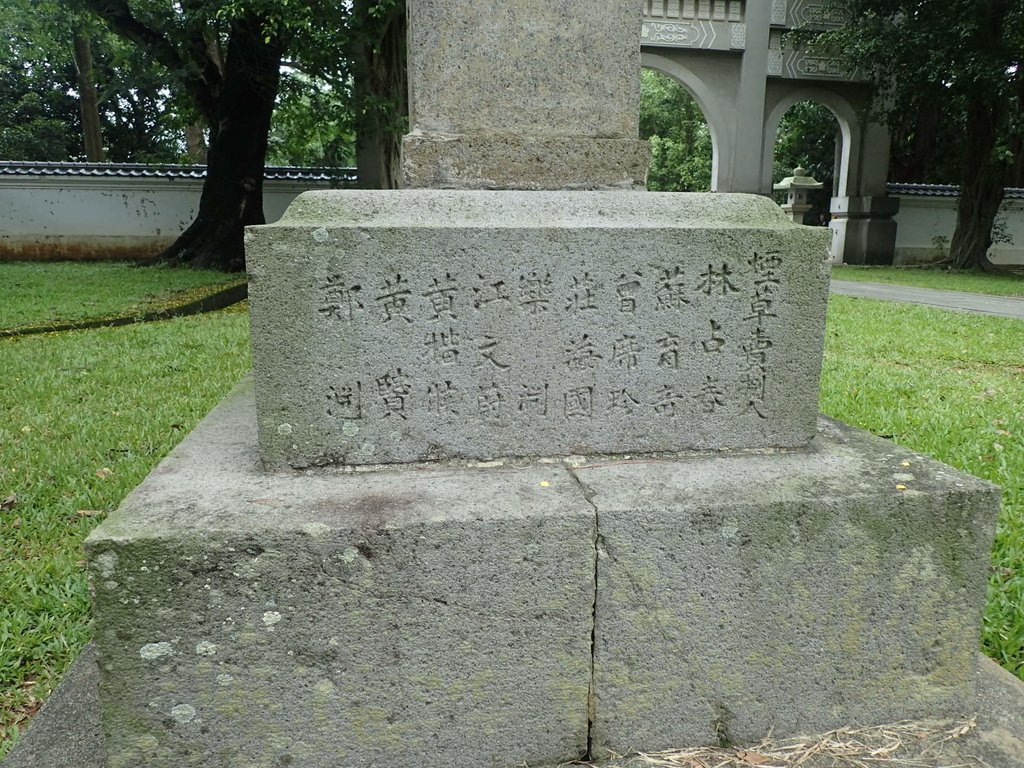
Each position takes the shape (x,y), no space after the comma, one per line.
(954,69)
(41,86)
(679,136)
(807,138)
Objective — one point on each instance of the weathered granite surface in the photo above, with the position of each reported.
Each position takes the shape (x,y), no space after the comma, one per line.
(523,162)
(67,732)
(431,618)
(415,325)
(444,615)
(530,67)
(526,95)
(738,596)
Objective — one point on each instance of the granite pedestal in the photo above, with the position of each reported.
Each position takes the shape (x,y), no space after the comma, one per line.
(453,614)
(427,324)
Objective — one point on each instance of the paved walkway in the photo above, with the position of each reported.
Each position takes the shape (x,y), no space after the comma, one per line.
(1003,306)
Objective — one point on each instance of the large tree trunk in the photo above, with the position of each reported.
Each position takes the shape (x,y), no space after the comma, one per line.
(232,197)
(380,94)
(195,142)
(88,101)
(981,188)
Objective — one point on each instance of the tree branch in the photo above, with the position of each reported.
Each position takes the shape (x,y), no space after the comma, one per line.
(200,77)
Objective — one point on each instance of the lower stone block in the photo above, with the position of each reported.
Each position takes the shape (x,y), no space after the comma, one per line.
(790,593)
(448,615)
(428,617)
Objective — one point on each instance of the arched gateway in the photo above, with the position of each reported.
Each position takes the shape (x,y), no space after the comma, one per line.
(730,55)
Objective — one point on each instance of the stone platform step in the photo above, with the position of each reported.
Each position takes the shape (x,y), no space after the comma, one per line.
(67,733)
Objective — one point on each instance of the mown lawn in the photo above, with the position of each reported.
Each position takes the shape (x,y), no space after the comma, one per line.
(969,282)
(951,386)
(85,415)
(34,293)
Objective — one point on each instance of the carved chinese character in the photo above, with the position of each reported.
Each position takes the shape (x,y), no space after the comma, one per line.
(622,401)
(443,347)
(533,400)
(626,352)
(766,283)
(487,347)
(489,402)
(753,383)
(668,354)
(711,396)
(442,297)
(443,397)
(712,280)
(579,403)
(756,348)
(626,288)
(766,267)
(345,402)
(759,310)
(340,299)
(666,401)
(394,388)
(715,343)
(490,292)
(671,292)
(535,292)
(582,297)
(581,354)
(394,299)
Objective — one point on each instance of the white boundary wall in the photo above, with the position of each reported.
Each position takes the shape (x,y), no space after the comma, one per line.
(924,218)
(66,216)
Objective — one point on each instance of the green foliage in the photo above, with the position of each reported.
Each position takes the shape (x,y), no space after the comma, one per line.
(945,52)
(807,138)
(39,120)
(313,124)
(943,71)
(679,135)
(38,90)
(41,123)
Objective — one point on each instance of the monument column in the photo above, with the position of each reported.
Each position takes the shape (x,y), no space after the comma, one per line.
(524,96)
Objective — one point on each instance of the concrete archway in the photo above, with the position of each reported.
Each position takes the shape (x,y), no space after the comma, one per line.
(735,61)
(849,128)
(705,98)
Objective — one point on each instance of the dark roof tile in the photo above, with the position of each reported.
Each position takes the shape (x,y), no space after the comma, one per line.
(340,176)
(943,190)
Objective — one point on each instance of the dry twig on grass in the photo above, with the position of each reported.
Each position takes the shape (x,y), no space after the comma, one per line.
(906,744)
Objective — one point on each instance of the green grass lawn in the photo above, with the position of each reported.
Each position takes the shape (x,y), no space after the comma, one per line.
(970,282)
(85,415)
(951,386)
(34,293)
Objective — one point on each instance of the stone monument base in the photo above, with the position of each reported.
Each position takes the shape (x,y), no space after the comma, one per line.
(460,161)
(524,612)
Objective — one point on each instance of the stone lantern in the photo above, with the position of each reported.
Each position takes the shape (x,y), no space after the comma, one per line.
(796,188)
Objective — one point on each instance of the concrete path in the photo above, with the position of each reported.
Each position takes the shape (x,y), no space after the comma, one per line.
(1002,306)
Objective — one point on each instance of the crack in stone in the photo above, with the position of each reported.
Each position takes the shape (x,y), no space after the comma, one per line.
(588,495)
